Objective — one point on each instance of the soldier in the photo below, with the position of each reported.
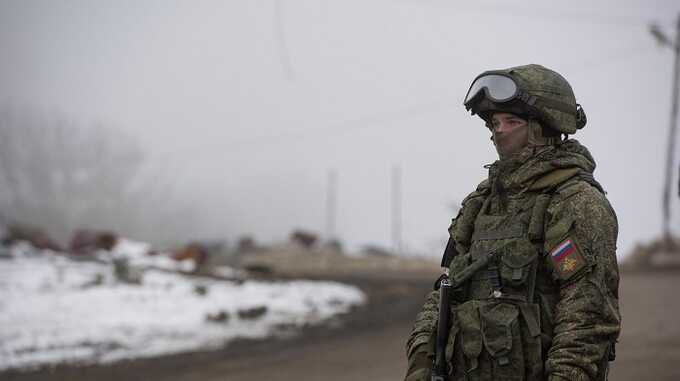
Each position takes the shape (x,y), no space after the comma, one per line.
(545,305)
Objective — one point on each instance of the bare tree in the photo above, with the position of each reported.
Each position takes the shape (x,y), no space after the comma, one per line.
(60,176)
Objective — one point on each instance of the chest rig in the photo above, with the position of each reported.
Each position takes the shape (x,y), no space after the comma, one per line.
(496,325)
(516,236)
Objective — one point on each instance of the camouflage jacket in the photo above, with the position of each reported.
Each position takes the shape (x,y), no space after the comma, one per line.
(558,315)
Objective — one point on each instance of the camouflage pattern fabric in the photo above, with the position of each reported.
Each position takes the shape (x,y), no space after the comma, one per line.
(556,314)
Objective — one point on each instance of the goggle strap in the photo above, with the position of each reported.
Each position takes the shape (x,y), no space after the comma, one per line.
(557,105)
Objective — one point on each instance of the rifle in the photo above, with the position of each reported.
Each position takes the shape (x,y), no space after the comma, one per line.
(440,369)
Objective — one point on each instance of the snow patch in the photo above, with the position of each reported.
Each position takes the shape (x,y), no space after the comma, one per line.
(53,310)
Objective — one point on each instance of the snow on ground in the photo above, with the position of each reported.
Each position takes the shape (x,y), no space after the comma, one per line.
(53,310)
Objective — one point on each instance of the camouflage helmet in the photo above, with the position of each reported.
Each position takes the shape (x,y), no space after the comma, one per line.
(532,91)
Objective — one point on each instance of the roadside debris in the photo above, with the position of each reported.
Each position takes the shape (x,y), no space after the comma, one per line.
(252,313)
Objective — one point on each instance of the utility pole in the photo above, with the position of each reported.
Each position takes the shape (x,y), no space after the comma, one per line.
(331,204)
(396,209)
(284,56)
(674,44)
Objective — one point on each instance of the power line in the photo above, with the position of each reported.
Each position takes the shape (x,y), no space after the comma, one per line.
(545,13)
(674,44)
(379,120)
(284,56)
(395,195)
(331,204)
(618,56)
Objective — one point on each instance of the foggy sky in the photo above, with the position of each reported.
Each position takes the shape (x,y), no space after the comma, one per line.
(249,104)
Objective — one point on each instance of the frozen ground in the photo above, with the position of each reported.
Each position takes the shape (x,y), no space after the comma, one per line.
(55,310)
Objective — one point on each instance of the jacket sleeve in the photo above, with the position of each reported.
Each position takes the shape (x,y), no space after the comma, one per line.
(424,326)
(417,348)
(586,317)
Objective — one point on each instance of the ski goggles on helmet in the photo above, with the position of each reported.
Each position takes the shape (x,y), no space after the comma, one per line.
(497,87)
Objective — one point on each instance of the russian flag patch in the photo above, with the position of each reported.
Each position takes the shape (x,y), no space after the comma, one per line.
(566,259)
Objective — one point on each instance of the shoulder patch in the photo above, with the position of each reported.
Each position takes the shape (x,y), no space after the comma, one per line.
(566,259)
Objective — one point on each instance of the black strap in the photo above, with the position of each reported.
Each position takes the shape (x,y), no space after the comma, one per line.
(537,236)
(532,100)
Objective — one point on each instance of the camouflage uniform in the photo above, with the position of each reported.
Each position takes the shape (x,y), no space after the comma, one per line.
(556,316)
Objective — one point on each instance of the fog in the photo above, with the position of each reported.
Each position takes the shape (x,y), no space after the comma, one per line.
(250,104)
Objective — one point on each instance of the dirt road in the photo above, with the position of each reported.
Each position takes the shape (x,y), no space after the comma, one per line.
(649,347)
(369,343)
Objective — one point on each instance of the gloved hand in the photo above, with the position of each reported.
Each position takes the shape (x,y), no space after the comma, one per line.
(419,367)
(422,374)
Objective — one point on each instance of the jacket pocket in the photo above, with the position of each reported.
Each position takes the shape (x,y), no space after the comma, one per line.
(451,344)
(502,339)
(516,266)
(469,324)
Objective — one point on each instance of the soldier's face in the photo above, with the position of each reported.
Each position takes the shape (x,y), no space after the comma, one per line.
(510,133)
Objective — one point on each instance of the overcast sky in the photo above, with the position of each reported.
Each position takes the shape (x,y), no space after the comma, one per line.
(249,103)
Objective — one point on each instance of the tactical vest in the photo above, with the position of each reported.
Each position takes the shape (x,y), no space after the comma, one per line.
(502,326)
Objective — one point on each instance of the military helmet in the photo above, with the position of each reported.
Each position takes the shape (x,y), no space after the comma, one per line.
(532,91)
